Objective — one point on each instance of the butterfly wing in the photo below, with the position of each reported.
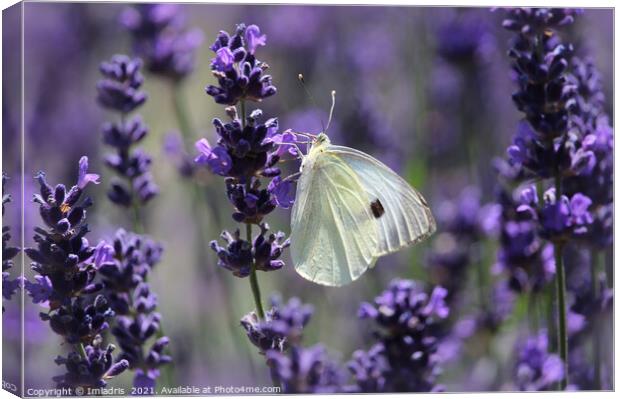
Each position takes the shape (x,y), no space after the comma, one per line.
(406,217)
(334,237)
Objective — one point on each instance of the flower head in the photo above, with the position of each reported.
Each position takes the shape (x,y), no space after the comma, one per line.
(529,21)
(123,135)
(528,261)
(558,217)
(536,368)
(131,164)
(94,370)
(161,39)
(239,254)
(251,204)
(305,370)
(238,71)
(404,358)
(80,321)
(120,88)
(283,325)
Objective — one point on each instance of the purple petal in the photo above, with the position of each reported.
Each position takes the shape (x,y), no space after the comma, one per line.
(254,38)
(224,59)
(104,253)
(283,192)
(84,177)
(436,303)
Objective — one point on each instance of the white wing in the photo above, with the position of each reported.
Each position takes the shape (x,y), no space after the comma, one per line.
(334,237)
(407,218)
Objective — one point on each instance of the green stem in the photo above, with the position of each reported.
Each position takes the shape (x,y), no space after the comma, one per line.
(248,232)
(254,278)
(551,322)
(82,351)
(532,310)
(178,102)
(138,227)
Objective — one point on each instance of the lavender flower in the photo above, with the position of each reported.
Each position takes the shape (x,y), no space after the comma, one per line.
(243,149)
(63,246)
(536,368)
(550,143)
(239,254)
(246,150)
(531,21)
(161,39)
(125,265)
(238,71)
(66,282)
(404,358)
(591,147)
(93,370)
(526,259)
(295,368)
(558,218)
(132,165)
(306,370)
(120,88)
(8,253)
(283,325)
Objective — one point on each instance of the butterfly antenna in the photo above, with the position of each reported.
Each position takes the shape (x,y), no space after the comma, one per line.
(310,96)
(331,110)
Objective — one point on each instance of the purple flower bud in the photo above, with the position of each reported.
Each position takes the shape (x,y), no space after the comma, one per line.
(246,80)
(119,90)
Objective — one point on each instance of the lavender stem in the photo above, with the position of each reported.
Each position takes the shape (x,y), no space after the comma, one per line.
(248,233)
(254,278)
(182,117)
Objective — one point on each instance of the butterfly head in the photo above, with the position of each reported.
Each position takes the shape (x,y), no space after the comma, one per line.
(322,139)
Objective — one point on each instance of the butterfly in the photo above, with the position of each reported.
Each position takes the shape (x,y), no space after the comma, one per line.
(350,209)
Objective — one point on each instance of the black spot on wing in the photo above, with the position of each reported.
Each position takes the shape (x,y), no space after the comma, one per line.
(377,208)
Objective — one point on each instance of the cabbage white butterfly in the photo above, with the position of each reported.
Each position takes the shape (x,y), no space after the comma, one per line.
(350,209)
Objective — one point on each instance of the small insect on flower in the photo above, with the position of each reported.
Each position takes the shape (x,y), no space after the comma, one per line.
(339,227)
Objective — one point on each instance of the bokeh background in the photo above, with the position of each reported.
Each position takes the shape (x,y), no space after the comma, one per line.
(426,90)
